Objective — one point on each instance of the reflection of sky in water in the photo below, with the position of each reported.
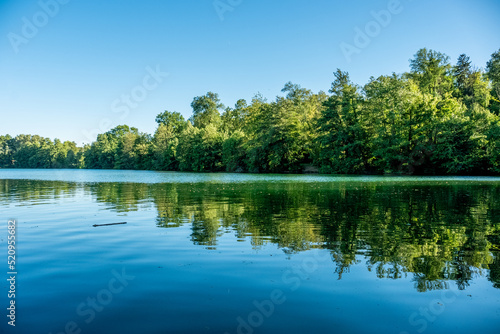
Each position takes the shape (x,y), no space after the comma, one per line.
(348,256)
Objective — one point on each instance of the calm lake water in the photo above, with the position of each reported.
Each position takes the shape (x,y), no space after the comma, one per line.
(237,253)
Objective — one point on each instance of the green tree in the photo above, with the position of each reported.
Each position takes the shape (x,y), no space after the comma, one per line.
(432,71)
(5,151)
(206,110)
(461,73)
(166,139)
(470,84)
(493,74)
(391,108)
(493,149)
(164,148)
(233,152)
(172,119)
(281,133)
(32,152)
(65,155)
(233,119)
(200,150)
(113,149)
(342,132)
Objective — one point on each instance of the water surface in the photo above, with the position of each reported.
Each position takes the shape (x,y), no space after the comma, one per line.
(240,253)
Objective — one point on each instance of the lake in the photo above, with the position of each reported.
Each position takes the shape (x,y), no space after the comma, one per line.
(242,253)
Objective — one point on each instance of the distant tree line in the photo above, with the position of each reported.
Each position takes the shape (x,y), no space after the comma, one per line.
(438,118)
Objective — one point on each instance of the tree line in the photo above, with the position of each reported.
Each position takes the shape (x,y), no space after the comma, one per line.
(438,118)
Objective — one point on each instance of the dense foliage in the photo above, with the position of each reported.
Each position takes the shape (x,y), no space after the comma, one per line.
(435,119)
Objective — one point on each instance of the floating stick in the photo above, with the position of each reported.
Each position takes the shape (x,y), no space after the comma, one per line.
(97,225)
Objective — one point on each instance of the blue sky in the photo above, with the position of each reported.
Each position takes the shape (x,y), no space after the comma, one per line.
(91,65)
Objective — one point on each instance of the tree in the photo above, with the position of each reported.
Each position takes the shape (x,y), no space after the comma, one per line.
(32,152)
(5,151)
(114,149)
(493,152)
(432,71)
(65,155)
(172,119)
(342,132)
(280,134)
(233,152)
(233,119)
(493,74)
(470,84)
(391,112)
(206,110)
(200,150)
(166,139)
(164,148)
(461,73)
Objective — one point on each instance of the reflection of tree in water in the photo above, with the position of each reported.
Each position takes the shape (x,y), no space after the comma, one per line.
(494,272)
(30,192)
(436,234)
(122,197)
(494,276)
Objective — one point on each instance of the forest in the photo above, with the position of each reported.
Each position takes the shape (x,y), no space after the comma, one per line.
(436,119)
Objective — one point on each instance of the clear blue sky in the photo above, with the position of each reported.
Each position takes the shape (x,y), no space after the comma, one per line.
(72,72)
